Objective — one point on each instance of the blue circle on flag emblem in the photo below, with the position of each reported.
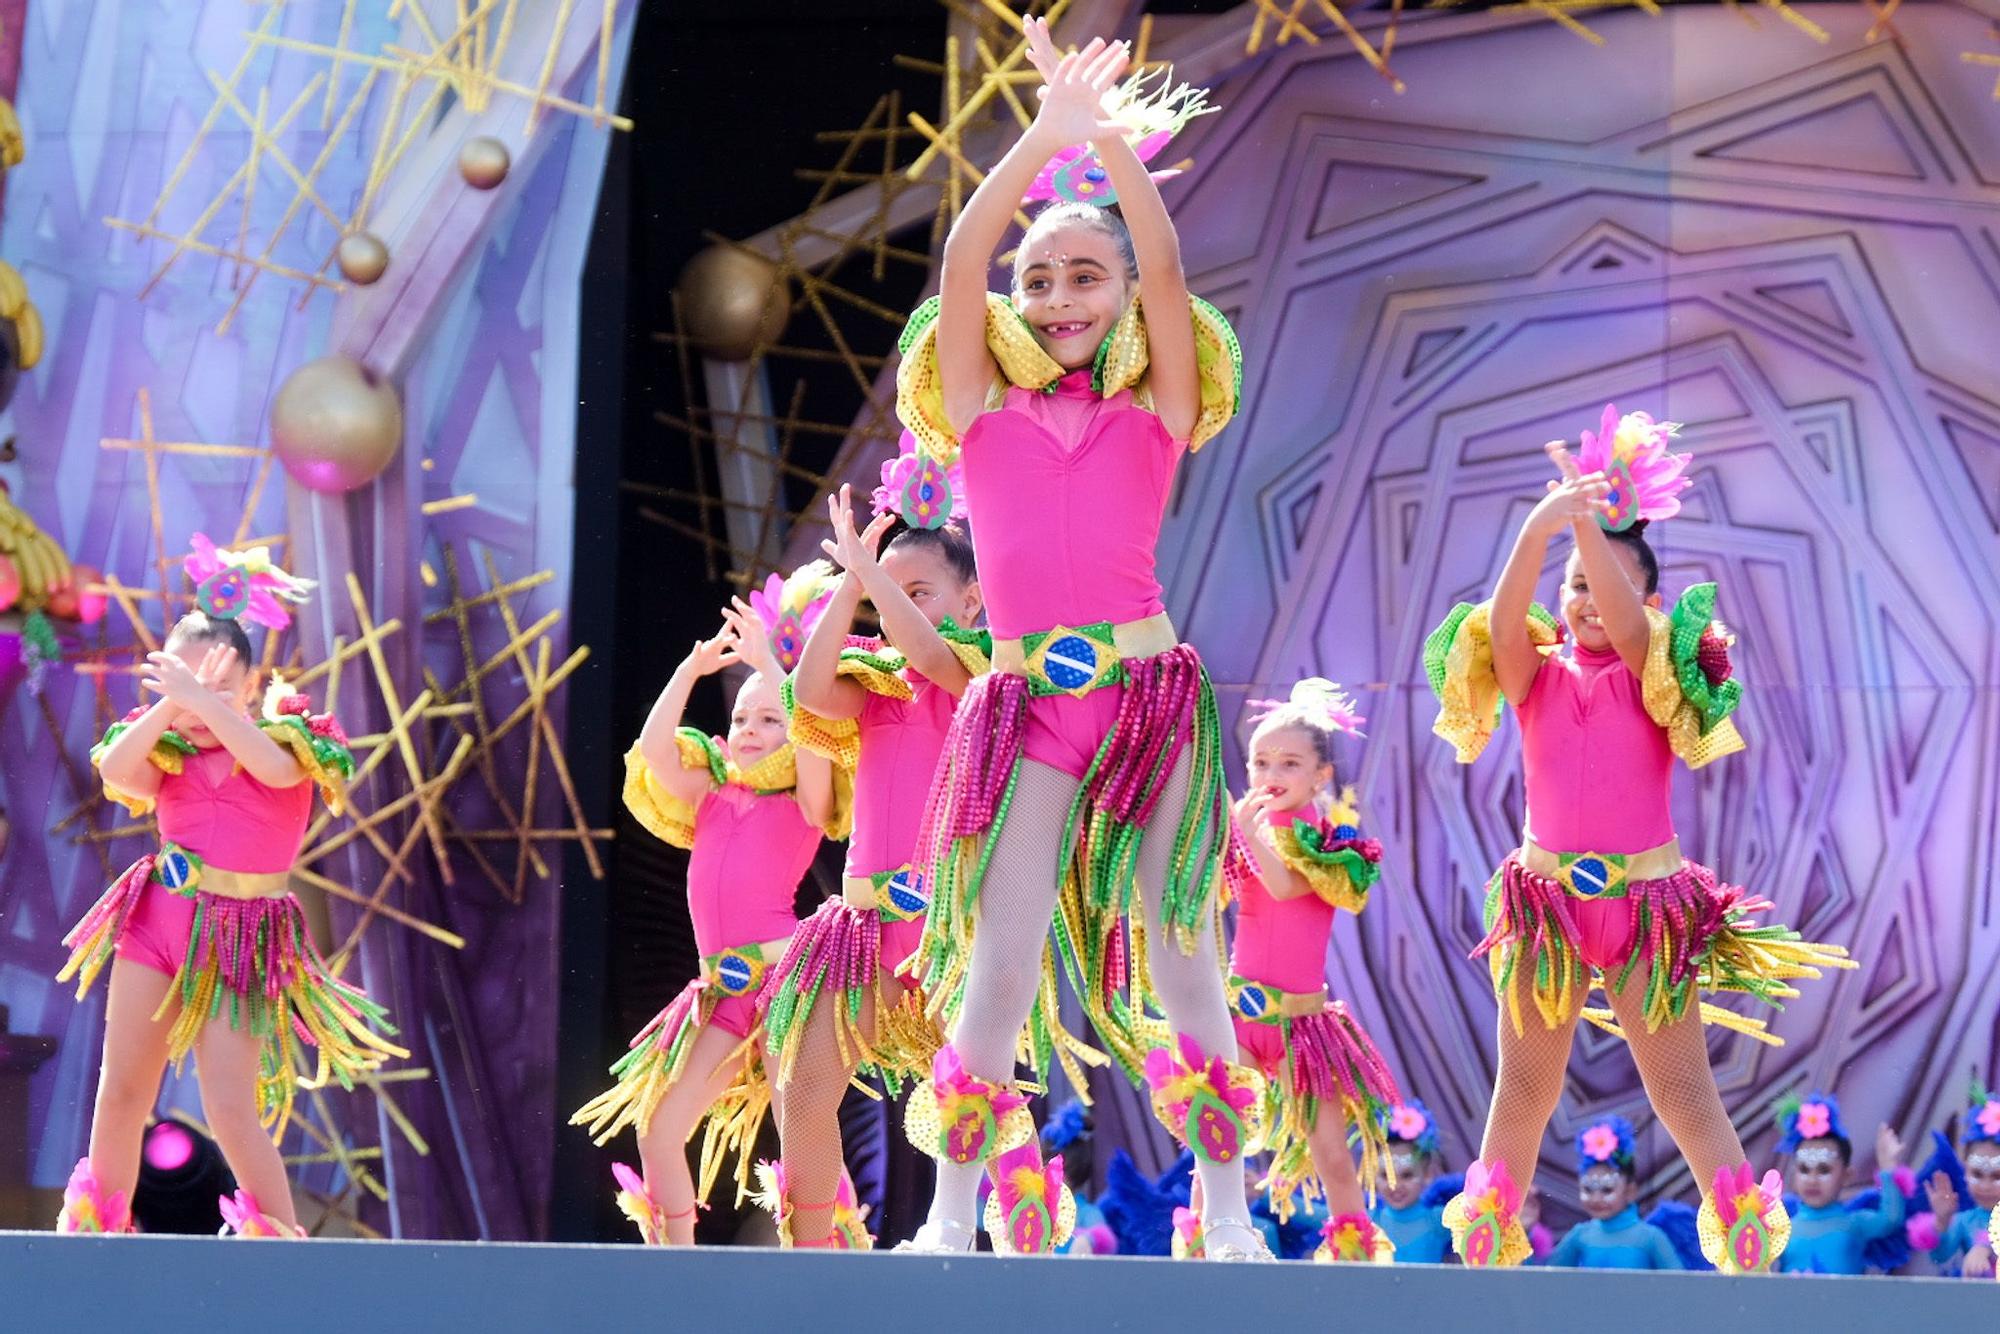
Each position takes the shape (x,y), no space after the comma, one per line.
(1071,662)
(1589,876)
(174,869)
(907,894)
(1345,833)
(1251,1002)
(734,974)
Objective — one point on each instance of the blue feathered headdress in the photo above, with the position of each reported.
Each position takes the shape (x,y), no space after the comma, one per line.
(1608,1142)
(1816,1116)
(1412,1123)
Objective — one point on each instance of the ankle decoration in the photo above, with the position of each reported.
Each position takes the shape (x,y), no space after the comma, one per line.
(1031,1210)
(962,1118)
(1484,1219)
(1208,1104)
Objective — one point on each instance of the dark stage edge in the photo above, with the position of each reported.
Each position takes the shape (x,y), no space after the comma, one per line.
(198,1284)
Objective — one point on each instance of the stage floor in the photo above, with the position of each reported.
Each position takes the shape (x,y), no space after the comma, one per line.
(164,1285)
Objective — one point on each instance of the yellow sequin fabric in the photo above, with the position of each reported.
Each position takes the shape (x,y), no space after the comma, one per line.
(1331,880)
(1714,1237)
(1670,708)
(669,818)
(1461,665)
(1022,362)
(1513,1248)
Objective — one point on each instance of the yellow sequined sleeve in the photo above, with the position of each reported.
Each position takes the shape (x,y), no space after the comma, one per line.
(1458,658)
(1218,363)
(920,389)
(1670,703)
(165,756)
(1333,858)
(662,813)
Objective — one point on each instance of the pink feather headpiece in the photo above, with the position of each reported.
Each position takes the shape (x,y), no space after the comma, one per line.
(1646,480)
(1152,109)
(920,491)
(791,606)
(1321,700)
(246,585)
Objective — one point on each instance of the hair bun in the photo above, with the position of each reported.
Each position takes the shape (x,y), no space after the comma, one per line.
(1638,528)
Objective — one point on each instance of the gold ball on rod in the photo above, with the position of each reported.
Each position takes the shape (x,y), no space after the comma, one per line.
(483,162)
(362,257)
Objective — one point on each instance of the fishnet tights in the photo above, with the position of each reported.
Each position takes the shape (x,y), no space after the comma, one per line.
(1016,903)
(809,1125)
(1673,1065)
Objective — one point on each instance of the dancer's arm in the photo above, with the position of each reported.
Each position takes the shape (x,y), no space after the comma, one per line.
(1163,287)
(813,787)
(126,763)
(656,740)
(1280,880)
(1515,660)
(906,626)
(1068,115)
(1620,606)
(262,758)
(1887,1217)
(1943,1199)
(817,685)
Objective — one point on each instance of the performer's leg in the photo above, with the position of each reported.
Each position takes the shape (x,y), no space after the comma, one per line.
(228,1061)
(1189,986)
(1527,1085)
(711,1067)
(1016,903)
(809,1120)
(1673,1063)
(1331,1159)
(128,1079)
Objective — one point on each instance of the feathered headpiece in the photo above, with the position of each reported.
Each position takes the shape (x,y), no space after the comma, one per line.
(1982,1122)
(1067,1124)
(1412,1123)
(791,606)
(1631,451)
(1152,108)
(1320,700)
(920,491)
(1814,1117)
(242,585)
(1606,1143)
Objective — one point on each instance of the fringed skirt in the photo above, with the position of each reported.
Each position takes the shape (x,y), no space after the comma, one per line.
(248,958)
(1578,920)
(1166,708)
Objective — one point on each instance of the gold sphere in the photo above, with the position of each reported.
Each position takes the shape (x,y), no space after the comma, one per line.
(363,257)
(336,424)
(484,161)
(733,301)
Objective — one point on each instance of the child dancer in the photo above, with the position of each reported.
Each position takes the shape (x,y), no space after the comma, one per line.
(1962,1207)
(1827,1236)
(1607,1186)
(1324,1071)
(1410,1194)
(1085,771)
(882,709)
(1599,890)
(209,951)
(751,810)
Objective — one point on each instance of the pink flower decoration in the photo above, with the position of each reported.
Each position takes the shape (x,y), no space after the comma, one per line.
(1815,1121)
(1406,1123)
(326,725)
(1600,1142)
(1988,1118)
(922,493)
(1922,1231)
(294,704)
(1631,451)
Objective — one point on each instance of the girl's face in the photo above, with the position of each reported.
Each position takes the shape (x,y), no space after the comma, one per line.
(1982,1172)
(757,726)
(1285,763)
(1414,1173)
(1580,610)
(928,580)
(234,689)
(1604,1192)
(1817,1172)
(1071,288)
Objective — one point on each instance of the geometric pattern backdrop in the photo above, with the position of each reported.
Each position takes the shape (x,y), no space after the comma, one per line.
(110,97)
(1793,248)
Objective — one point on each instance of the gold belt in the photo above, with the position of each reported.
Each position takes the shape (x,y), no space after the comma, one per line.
(1262,1003)
(186,874)
(899,895)
(1601,875)
(1075,660)
(739,970)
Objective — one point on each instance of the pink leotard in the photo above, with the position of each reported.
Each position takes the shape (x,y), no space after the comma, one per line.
(1598,768)
(1281,942)
(750,853)
(1072,490)
(230,820)
(900,744)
